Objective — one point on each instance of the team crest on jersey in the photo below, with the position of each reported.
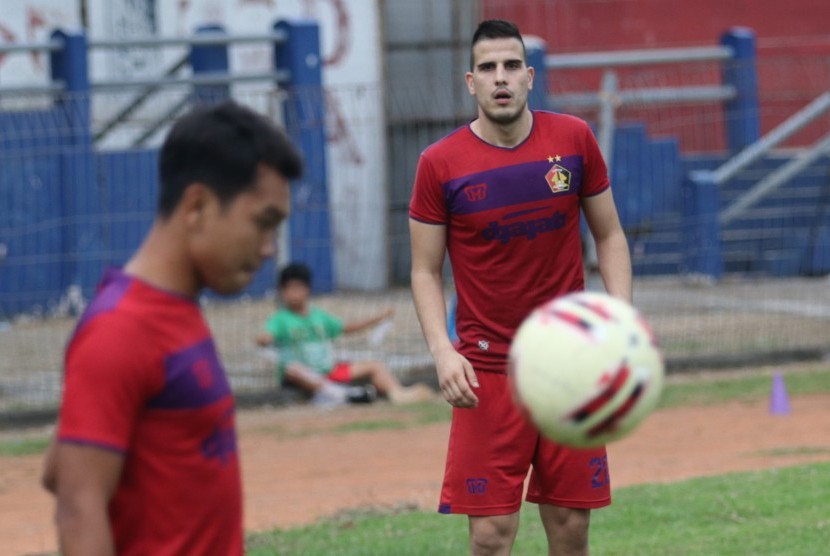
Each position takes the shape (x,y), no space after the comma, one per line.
(558,178)
(476,192)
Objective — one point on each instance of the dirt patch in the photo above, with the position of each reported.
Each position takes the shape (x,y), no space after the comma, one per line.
(301,465)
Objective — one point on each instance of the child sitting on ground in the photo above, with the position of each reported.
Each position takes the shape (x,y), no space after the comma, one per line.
(303,335)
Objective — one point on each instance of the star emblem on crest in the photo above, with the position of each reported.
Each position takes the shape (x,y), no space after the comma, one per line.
(554,158)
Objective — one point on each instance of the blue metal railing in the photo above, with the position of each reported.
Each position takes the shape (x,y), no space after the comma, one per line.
(708,217)
(737,92)
(82,186)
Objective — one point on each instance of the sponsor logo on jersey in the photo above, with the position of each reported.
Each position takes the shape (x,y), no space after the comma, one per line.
(476,192)
(558,178)
(193,378)
(527,228)
(484,345)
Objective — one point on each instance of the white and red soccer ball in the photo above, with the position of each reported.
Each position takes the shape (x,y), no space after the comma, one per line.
(586,369)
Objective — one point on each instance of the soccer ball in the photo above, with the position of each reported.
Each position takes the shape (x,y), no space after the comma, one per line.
(585,368)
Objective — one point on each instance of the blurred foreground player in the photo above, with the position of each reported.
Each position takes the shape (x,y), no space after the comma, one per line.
(502,196)
(145,457)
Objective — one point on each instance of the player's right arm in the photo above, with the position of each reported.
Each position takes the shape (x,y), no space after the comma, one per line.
(86,480)
(456,376)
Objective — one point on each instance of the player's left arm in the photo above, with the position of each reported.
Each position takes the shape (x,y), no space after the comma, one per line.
(612,247)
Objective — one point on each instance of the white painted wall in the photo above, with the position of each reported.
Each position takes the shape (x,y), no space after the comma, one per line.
(29,21)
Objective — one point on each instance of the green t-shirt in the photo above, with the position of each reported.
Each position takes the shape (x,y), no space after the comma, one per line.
(304,339)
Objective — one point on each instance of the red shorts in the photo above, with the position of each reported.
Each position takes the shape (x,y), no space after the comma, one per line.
(342,372)
(491,449)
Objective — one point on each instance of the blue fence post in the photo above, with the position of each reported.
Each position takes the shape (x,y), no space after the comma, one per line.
(701,232)
(743,125)
(536,50)
(81,200)
(309,226)
(210,59)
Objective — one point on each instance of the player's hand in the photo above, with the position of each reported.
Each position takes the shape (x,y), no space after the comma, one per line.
(456,378)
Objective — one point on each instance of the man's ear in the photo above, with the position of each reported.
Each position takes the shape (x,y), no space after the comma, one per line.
(468,77)
(196,200)
(530,74)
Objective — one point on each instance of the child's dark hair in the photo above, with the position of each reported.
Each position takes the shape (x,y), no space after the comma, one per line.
(295,271)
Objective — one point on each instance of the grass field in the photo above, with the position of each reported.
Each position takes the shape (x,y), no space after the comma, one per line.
(773,512)
(783,512)
(747,386)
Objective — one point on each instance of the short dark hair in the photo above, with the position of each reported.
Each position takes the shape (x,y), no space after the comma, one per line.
(295,271)
(222,146)
(496,29)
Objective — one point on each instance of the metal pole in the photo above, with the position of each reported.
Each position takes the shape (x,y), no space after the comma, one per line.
(309,225)
(607,125)
(636,57)
(607,115)
(743,121)
(205,39)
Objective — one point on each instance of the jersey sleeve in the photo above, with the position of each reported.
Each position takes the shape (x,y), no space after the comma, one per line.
(107,381)
(428,203)
(595,169)
(332,324)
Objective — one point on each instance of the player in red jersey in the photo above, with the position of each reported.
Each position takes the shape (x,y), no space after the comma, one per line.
(502,196)
(145,457)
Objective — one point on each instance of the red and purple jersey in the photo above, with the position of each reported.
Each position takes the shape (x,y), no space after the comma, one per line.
(512,218)
(142,378)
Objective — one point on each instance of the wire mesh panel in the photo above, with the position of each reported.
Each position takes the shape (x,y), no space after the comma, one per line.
(78,188)
(68,211)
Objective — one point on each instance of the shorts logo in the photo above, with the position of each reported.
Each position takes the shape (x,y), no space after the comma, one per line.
(477,486)
(558,178)
(476,192)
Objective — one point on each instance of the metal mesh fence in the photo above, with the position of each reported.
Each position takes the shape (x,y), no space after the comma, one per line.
(56,234)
